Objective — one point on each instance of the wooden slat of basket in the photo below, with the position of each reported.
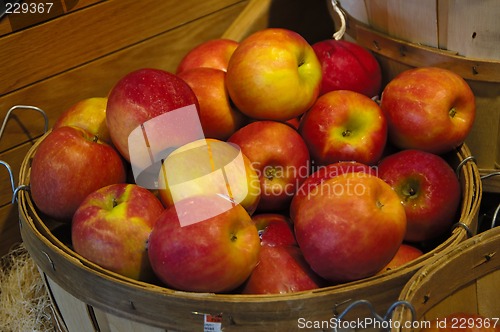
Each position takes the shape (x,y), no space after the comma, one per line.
(415,55)
(462,278)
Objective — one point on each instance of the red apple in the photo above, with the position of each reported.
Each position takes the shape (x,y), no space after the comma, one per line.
(111,228)
(405,254)
(213,53)
(463,322)
(143,95)
(348,66)
(350,227)
(68,165)
(323,173)
(281,270)
(427,187)
(274,229)
(281,159)
(89,114)
(344,125)
(273,75)
(209,166)
(219,118)
(428,108)
(214,253)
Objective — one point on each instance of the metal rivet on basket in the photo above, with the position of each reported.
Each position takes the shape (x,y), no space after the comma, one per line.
(402,51)
(376,45)
(474,70)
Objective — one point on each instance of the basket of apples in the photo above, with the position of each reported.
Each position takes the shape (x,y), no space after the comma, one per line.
(250,190)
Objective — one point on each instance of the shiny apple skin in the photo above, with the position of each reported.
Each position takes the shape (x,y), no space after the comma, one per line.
(68,165)
(350,227)
(216,254)
(142,95)
(280,157)
(273,74)
(428,108)
(112,226)
(348,66)
(281,270)
(344,125)
(213,53)
(218,116)
(428,188)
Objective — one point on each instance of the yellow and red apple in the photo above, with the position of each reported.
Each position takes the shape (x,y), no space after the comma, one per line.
(218,116)
(213,53)
(323,173)
(68,165)
(215,254)
(280,157)
(89,114)
(209,166)
(344,125)
(273,74)
(350,227)
(143,95)
(111,228)
(428,189)
(428,108)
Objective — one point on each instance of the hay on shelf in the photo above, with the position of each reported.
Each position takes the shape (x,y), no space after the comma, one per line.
(24,302)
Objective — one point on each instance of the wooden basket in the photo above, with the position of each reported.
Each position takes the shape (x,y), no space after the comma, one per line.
(464,279)
(88,297)
(457,35)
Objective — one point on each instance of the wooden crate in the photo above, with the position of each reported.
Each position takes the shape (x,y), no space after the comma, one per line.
(457,35)
(464,279)
(80,52)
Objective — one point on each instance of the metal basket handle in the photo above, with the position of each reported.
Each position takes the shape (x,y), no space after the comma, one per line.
(15,189)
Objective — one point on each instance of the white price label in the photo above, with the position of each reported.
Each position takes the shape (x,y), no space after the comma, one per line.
(212,323)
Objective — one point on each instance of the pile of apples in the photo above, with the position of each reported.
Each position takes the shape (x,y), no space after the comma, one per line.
(263,166)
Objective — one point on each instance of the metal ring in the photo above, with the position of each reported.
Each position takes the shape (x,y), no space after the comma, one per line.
(464,226)
(463,162)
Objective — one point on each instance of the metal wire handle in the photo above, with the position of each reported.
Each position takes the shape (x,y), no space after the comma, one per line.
(15,189)
(385,319)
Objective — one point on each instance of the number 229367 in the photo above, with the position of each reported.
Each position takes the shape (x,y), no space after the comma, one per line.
(28,8)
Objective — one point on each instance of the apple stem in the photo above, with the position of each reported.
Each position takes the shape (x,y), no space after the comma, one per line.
(95,139)
(115,203)
(270,173)
(452,112)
